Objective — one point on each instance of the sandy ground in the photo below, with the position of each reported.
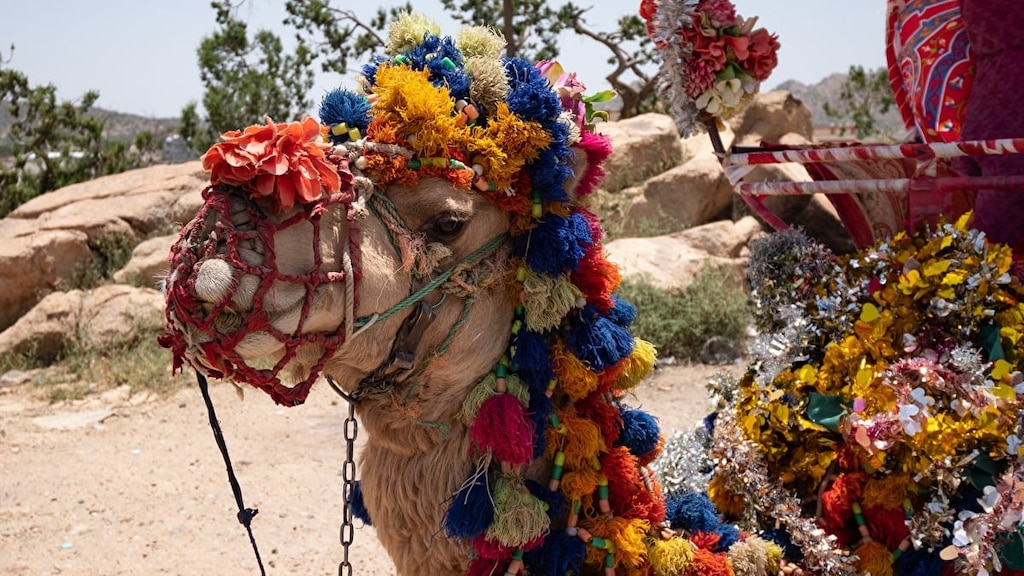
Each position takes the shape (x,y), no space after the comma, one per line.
(135,485)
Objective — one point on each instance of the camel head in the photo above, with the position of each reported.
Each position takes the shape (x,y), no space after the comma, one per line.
(428,246)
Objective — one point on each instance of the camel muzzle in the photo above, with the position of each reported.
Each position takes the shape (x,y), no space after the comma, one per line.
(234,310)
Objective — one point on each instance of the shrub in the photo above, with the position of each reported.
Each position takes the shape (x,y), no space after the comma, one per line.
(679,323)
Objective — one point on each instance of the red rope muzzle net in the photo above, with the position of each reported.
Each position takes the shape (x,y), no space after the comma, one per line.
(206,326)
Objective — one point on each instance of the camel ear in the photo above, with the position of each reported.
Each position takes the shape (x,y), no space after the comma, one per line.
(589,155)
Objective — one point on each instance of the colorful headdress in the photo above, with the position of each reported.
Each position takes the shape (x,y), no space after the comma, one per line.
(453,108)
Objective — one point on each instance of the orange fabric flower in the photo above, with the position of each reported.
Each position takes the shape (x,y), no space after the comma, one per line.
(284,161)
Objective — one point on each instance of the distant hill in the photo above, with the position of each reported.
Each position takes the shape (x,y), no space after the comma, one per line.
(816,95)
(118,125)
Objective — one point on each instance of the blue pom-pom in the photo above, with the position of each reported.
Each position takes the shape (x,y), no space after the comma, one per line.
(640,432)
(539,408)
(559,555)
(781,537)
(532,361)
(530,95)
(558,505)
(598,341)
(471,510)
(345,106)
(556,244)
(920,563)
(548,174)
(622,313)
(357,504)
(709,423)
(691,511)
(728,534)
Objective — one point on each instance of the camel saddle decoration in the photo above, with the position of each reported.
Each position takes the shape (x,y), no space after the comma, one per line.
(428,246)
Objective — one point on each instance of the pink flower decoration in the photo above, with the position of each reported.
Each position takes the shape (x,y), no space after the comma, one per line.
(720,13)
(763,54)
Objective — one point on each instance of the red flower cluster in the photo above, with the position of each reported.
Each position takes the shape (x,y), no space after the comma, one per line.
(286,162)
(723,58)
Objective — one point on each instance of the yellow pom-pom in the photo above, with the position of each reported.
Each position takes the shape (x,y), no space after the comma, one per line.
(637,365)
(887,492)
(574,378)
(480,41)
(669,557)
(774,556)
(407,32)
(727,503)
(583,440)
(580,483)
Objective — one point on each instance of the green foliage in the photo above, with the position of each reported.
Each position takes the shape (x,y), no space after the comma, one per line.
(530,27)
(135,359)
(245,79)
(863,98)
(679,324)
(110,254)
(52,143)
(344,36)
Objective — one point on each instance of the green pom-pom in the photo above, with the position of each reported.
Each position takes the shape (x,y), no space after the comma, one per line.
(519,517)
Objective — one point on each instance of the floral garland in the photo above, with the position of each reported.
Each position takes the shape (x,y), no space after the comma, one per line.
(712,59)
(879,425)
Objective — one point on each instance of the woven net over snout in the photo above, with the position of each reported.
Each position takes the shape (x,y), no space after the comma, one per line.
(232,291)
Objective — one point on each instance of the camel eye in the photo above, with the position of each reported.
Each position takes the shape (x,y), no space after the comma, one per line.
(448,225)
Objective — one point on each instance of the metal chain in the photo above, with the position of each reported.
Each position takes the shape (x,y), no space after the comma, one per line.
(348,474)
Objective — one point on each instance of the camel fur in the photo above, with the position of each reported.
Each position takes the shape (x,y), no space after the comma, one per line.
(307,269)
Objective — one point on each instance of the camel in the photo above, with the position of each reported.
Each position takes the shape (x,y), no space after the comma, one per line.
(435,258)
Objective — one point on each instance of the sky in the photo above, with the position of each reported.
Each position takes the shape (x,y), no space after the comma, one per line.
(141,54)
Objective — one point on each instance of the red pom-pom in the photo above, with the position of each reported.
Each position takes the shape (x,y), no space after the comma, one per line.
(705,540)
(485,567)
(608,418)
(597,278)
(598,148)
(627,493)
(887,525)
(837,506)
(491,549)
(503,427)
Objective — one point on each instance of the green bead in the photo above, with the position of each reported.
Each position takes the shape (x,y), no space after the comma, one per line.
(602,492)
(447,63)
(517,555)
(597,542)
(401,59)
(414,163)
(501,370)
(609,560)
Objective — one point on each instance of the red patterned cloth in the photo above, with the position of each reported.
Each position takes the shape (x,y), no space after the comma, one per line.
(930,65)
(995,109)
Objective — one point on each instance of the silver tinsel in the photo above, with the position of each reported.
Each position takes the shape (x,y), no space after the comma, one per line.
(671,15)
(739,462)
(684,464)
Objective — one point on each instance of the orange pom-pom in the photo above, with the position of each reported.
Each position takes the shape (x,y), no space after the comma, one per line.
(707,563)
(873,558)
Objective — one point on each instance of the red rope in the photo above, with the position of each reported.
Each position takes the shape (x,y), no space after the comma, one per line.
(197,244)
